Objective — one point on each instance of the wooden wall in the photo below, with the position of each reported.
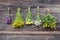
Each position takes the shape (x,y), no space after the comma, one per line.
(53,5)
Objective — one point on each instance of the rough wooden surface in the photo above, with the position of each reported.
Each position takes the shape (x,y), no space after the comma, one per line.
(29,37)
(53,5)
(7,32)
(30,32)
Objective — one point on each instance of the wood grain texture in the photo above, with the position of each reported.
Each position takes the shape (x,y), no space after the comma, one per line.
(14,4)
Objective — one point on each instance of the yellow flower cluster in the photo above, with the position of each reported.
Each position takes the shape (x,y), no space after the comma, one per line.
(31,22)
(45,25)
(52,25)
(18,22)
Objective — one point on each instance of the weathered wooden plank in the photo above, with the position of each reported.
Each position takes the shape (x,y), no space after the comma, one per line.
(29,37)
(30,32)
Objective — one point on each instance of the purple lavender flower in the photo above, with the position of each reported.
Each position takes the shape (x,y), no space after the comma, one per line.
(8,19)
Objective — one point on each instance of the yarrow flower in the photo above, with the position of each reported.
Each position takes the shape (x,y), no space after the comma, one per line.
(38,21)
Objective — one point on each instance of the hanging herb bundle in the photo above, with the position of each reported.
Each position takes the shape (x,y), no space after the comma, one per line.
(29,19)
(38,20)
(8,18)
(49,21)
(18,22)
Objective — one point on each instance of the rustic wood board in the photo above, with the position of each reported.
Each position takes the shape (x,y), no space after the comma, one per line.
(53,5)
(29,37)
